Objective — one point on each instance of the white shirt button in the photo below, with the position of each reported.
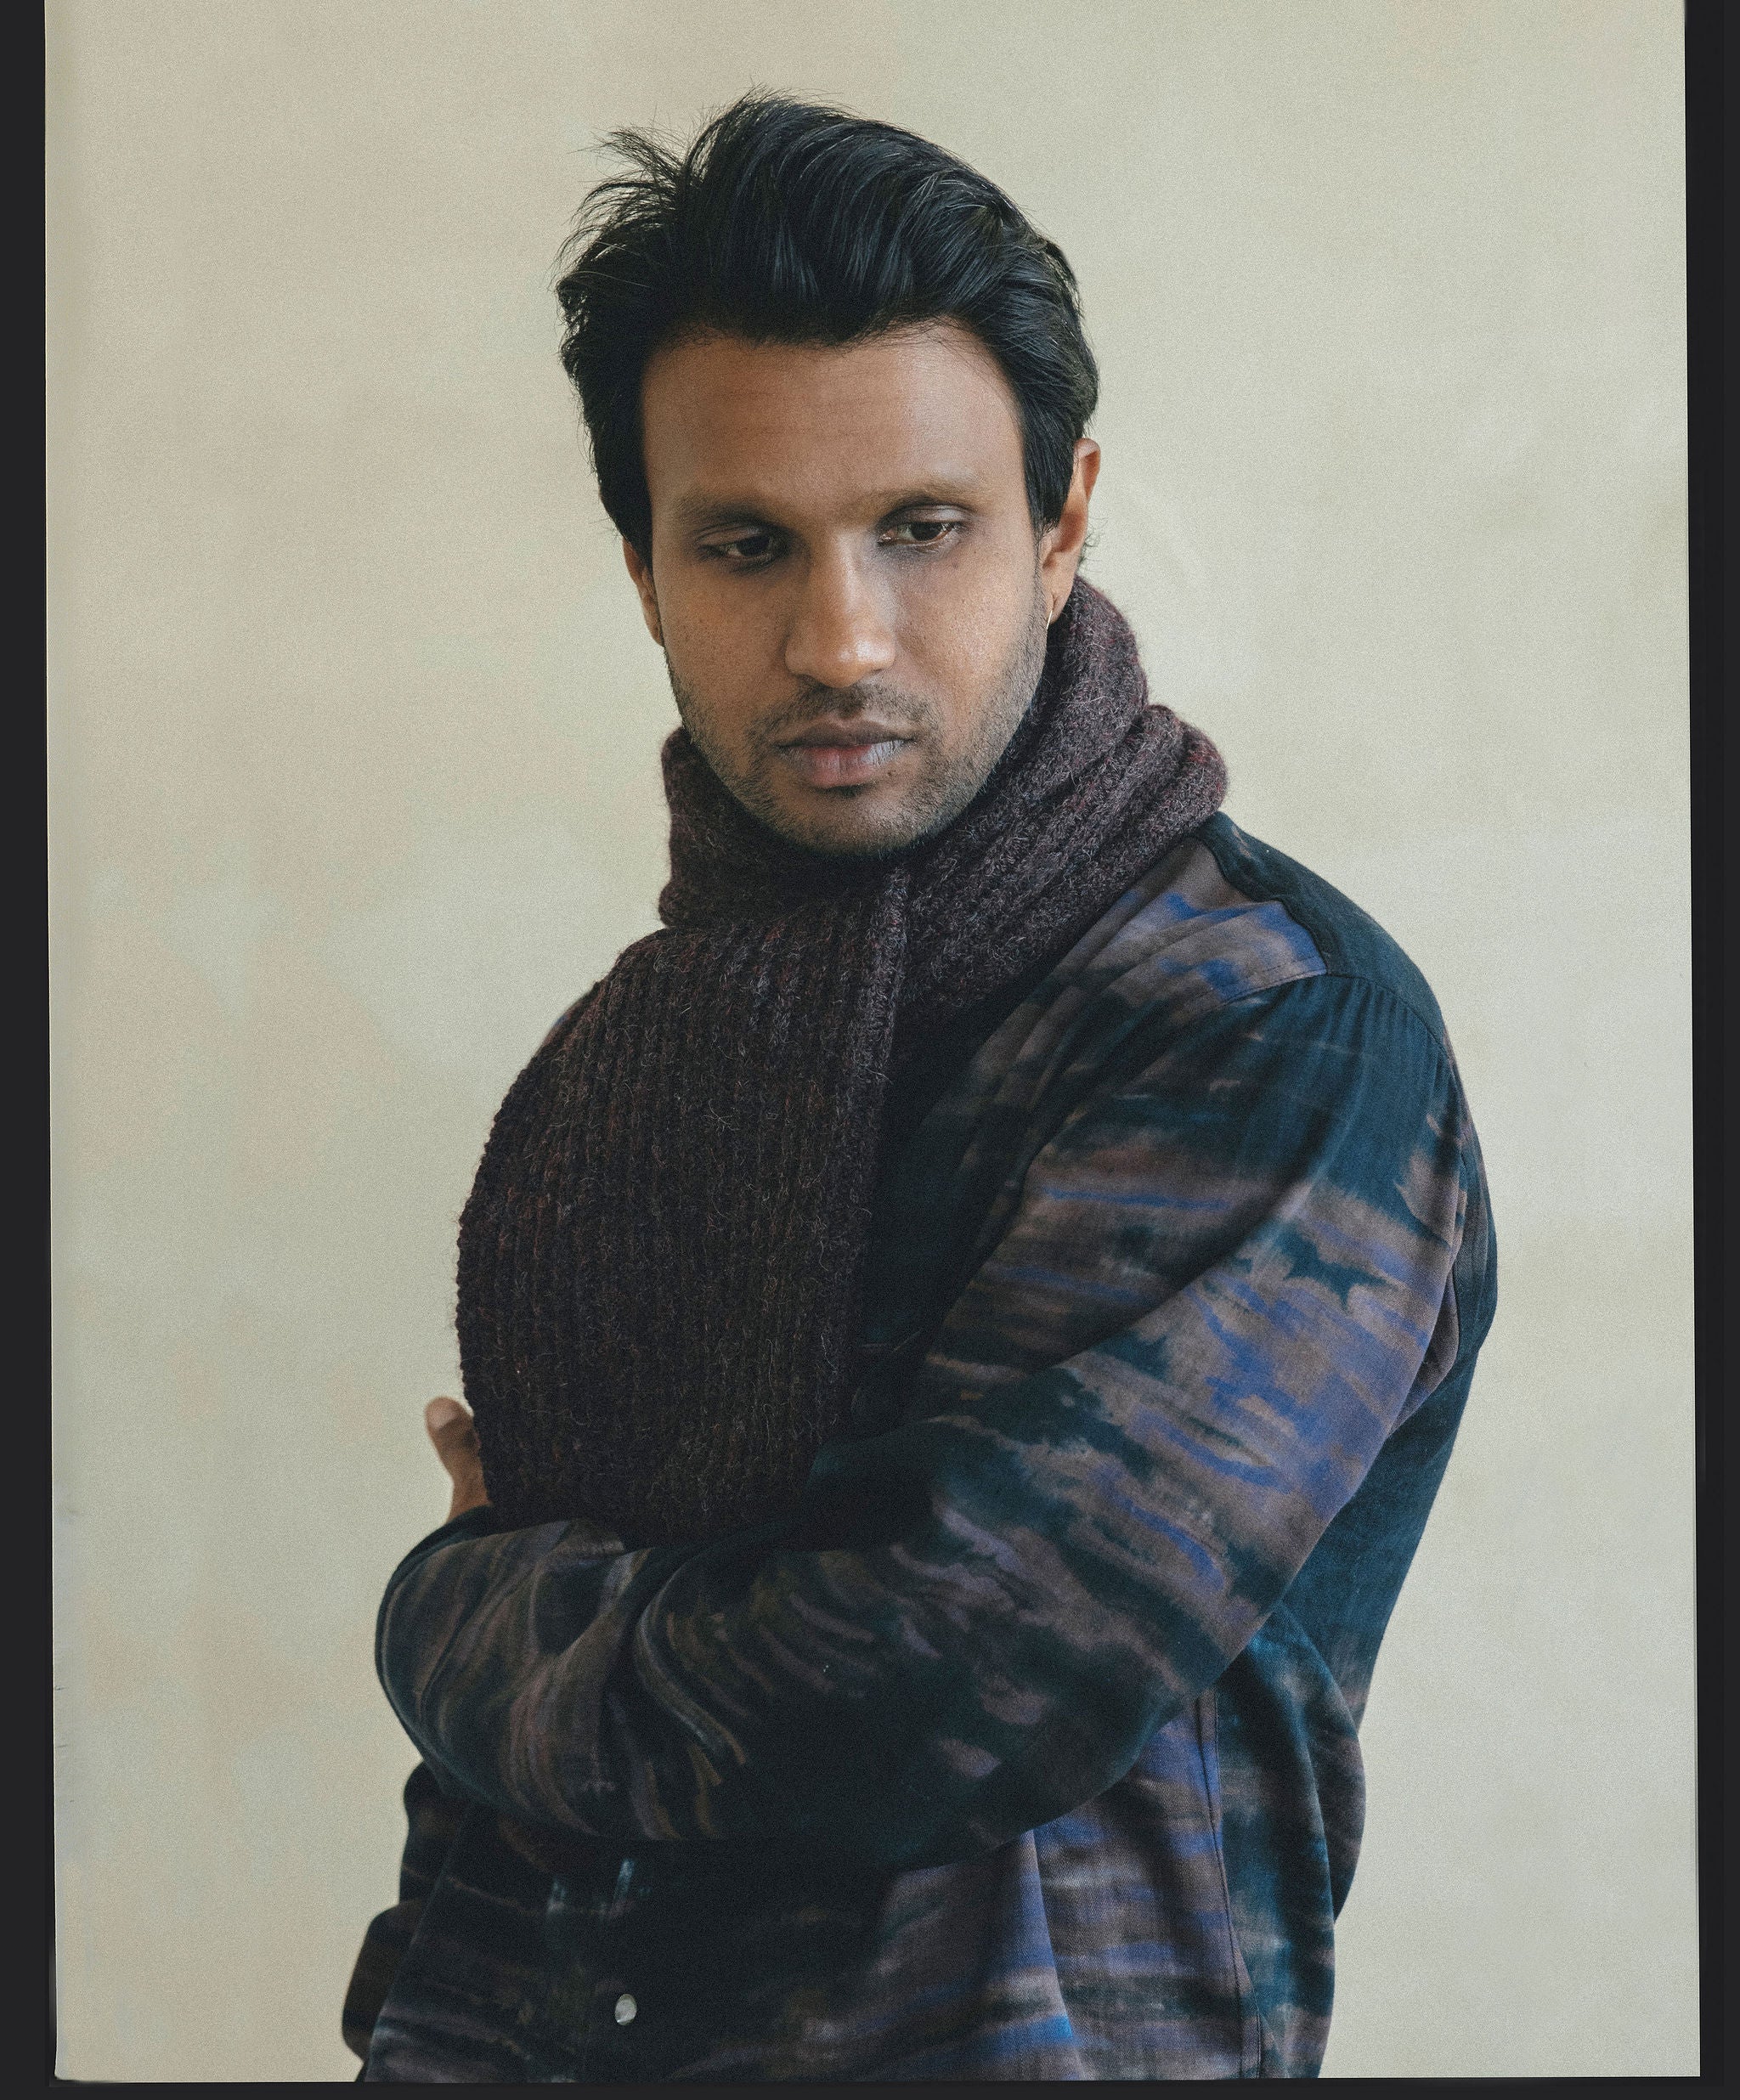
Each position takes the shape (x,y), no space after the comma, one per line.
(625,2009)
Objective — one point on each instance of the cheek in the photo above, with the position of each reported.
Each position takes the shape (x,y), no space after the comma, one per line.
(963,631)
(721,656)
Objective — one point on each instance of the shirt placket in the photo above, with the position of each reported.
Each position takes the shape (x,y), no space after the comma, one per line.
(593,2004)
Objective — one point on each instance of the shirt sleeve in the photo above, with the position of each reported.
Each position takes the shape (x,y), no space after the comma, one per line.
(973,1622)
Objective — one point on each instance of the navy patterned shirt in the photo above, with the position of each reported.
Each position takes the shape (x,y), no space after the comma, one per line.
(1025,1748)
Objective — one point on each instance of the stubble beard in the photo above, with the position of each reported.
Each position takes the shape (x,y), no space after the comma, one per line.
(940,794)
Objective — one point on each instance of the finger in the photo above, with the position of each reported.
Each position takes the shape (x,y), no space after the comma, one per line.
(452,1432)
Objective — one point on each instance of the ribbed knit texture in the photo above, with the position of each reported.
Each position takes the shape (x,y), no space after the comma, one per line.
(660,1262)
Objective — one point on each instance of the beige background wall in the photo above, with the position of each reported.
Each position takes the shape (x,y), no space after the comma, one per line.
(353,736)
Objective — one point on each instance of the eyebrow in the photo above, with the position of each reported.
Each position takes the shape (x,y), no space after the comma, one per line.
(700,513)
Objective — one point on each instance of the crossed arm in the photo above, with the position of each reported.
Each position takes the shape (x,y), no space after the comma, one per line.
(973,1622)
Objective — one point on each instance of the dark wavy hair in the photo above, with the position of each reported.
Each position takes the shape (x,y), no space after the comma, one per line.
(784,221)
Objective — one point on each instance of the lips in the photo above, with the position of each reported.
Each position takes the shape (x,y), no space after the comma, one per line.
(843,753)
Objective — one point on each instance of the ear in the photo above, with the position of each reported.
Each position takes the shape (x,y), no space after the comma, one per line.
(1060,544)
(642,571)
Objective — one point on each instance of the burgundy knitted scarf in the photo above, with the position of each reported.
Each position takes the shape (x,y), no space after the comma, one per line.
(660,1264)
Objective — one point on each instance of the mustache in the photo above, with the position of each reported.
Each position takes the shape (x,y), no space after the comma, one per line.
(899,712)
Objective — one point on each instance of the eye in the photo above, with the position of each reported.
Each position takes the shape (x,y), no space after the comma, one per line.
(925,532)
(746,551)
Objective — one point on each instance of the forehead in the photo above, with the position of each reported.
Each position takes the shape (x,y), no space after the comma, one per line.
(827,429)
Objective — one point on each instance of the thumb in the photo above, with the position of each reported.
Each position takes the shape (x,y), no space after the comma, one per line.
(452,1432)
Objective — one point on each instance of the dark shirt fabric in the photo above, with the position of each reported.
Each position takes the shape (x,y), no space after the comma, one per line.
(1027,1746)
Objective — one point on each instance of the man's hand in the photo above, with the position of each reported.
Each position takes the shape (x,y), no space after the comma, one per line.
(454,1437)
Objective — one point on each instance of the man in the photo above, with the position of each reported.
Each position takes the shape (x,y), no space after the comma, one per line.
(964,1326)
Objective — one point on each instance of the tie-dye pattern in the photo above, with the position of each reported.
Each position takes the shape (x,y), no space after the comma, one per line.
(1027,1748)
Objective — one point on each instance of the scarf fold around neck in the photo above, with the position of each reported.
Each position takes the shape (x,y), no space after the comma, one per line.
(660,1262)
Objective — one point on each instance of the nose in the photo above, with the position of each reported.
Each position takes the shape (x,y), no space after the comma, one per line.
(839,631)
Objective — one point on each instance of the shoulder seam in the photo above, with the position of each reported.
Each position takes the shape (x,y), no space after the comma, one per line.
(1440,1049)
(1335,958)
(1389,991)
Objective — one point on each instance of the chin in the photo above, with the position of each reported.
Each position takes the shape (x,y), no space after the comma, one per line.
(859,824)
(849,840)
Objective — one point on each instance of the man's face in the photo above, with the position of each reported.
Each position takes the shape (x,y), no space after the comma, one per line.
(844,575)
